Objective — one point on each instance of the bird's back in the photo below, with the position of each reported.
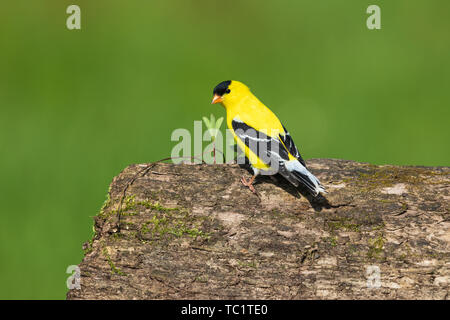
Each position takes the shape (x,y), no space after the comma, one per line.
(255,114)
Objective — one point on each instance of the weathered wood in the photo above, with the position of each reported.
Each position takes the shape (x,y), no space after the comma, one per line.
(195,232)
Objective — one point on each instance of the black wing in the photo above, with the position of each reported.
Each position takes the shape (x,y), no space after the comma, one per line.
(268,149)
(290,145)
(274,152)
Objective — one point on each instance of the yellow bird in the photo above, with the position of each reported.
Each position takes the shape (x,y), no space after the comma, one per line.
(264,140)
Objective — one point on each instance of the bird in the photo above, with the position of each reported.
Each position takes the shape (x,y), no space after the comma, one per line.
(261,136)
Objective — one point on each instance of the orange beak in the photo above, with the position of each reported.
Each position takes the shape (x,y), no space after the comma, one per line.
(216,99)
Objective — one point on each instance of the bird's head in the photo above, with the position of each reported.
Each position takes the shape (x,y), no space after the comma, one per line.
(229,92)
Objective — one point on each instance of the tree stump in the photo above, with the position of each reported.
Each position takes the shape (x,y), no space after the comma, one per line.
(195,232)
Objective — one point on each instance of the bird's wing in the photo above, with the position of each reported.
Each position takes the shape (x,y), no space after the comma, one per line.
(290,146)
(264,146)
(273,152)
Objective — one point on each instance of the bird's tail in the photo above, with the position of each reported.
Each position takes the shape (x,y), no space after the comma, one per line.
(299,174)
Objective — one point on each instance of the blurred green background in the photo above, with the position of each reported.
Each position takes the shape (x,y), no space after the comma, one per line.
(76,107)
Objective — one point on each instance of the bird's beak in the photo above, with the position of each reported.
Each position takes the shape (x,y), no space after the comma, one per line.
(216,99)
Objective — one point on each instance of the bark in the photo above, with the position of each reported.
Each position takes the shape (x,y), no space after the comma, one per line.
(195,232)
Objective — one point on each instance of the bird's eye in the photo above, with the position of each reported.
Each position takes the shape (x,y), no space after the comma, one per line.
(228,91)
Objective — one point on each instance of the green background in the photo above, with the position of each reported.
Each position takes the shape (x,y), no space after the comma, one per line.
(76,107)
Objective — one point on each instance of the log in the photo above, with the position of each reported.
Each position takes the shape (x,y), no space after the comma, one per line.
(195,232)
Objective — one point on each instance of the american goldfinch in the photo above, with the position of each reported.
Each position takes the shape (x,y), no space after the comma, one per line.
(260,135)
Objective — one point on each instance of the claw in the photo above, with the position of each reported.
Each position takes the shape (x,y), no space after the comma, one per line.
(249,184)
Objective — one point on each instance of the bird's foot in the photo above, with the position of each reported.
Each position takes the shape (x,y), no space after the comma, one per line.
(249,184)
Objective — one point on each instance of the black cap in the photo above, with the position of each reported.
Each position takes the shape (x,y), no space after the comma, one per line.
(222,88)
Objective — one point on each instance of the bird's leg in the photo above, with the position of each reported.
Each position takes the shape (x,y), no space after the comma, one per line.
(249,184)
